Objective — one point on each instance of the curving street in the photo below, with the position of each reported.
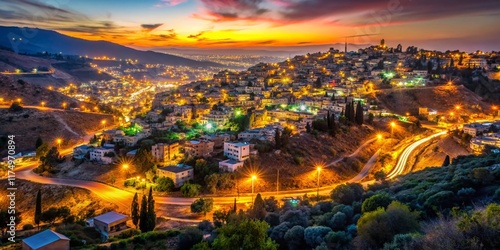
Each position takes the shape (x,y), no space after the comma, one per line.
(403,158)
(122,198)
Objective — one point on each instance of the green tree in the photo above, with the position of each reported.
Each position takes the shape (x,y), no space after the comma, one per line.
(143,159)
(53,214)
(295,238)
(190,237)
(202,206)
(49,161)
(38,142)
(15,107)
(42,150)
(211,182)
(150,175)
(446,161)
(244,234)
(134,213)
(190,190)
(151,215)
(38,208)
(376,201)
(359,113)
(380,226)
(143,216)
(347,193)
(164,184)
(258,210)
(277,139)
(308,127)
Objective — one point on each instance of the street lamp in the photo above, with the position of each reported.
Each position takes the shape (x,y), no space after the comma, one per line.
(43,104)
(103,122)
(254,177)
(317,188)
(379,136)
(457,107)
(59,140)
(64,105)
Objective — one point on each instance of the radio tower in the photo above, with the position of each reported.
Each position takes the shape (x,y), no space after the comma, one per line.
(346,45)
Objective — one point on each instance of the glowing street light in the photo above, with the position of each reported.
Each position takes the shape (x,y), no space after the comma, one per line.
(253,177)
(393,124)
(379,136)
(64,105)
(59,141)
(457,107)
(103,122)
(43,104)
(317,188)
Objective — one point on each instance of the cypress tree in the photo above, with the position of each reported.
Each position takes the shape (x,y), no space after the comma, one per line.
(308,127)
(143,217)
(151,215)
(38,142)
(352,115)
(328,118)
(135,210)
(38,208)
(446,161)
(359,114)
(347,112)
(258,209)
(333,129)
(277,139)
(234,206)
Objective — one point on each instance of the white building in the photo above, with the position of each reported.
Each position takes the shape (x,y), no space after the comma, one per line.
(102,155)
(230,165)
(476,128)
(239,151)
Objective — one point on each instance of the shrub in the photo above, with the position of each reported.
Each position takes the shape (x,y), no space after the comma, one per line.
(374,202)
(347,193)
(379,227)
(27,227)
(164,184)
(295,217)
(314,235)
(129,182)
(190,237)
(295,238)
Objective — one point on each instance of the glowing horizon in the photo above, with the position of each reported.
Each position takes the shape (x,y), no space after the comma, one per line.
(157,24)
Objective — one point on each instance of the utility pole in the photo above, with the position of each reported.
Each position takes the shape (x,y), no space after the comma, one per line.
(277,181)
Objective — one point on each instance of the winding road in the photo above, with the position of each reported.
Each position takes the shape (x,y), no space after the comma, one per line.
(122,197)
(403,158)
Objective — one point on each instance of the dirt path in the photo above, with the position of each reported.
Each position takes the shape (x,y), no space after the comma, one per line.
(61,120)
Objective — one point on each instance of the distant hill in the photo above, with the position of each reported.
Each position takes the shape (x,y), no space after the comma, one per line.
(16,39)
(65,72)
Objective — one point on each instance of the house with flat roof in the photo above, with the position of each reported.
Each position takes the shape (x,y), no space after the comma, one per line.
(239,151)
(46,240)
(199,148)
(109,224)
(230,165)
(179,173)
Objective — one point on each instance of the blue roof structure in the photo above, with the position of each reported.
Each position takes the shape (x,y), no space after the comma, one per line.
(44,238)
(110,217)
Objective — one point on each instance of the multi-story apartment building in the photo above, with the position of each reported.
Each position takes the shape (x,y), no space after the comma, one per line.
(163,152)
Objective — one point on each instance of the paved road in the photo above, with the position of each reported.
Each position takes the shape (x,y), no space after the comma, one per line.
(122,197)
(403,158)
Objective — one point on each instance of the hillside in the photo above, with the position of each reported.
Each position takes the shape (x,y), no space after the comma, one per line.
(33,94)
(65,72)
(441,98)
(28,124)
(54,42)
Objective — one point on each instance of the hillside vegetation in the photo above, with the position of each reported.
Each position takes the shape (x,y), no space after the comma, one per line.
(441,98)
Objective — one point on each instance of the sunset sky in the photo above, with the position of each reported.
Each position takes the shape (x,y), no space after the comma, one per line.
(155,24)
